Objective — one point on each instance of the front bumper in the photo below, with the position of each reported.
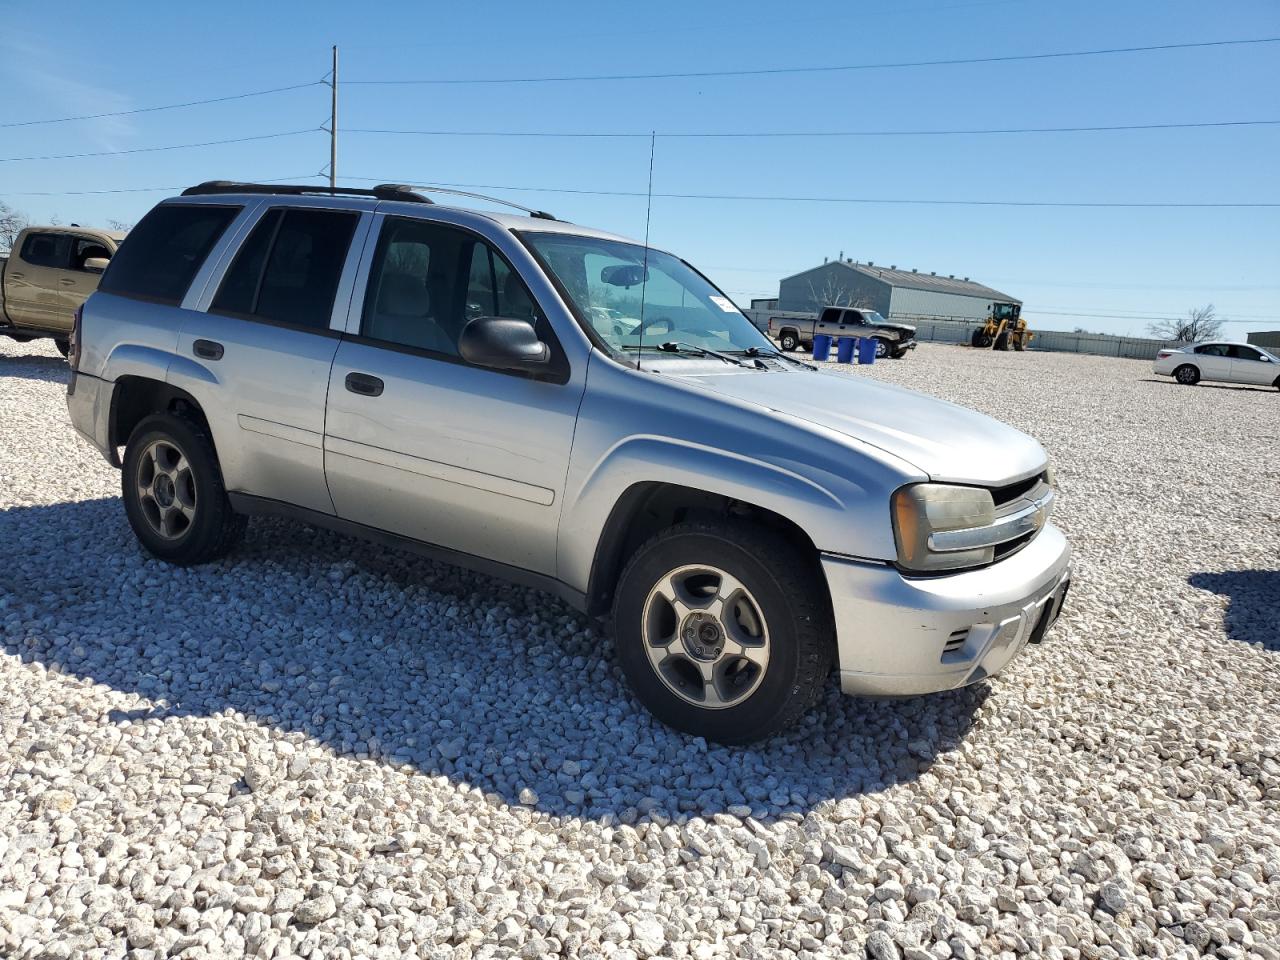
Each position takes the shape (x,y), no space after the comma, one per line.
(907,344)
(89,403)
(900,635)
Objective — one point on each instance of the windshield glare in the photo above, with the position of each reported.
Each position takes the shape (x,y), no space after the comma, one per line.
(607,282)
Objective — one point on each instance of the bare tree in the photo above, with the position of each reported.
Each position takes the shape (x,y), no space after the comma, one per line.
(1200,323)
(832,293)
(123,226)
(12,223)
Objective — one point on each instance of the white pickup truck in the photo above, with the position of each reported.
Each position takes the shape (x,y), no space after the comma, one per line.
(47,275)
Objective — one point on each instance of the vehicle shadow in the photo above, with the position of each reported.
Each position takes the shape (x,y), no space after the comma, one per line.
(1253,607)
(1246,388)
(423,665)
(34,367)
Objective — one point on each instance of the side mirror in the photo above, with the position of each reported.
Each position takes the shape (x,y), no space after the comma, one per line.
(503,343)
(96,264)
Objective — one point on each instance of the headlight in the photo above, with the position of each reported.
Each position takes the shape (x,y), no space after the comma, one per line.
(927,508)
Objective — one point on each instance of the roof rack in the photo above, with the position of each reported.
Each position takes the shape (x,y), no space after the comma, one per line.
(540,214)
(384,191)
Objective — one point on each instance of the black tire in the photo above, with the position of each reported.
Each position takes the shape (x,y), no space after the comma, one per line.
(1002,341)
(1188,375)
(1020,344)
(64,346)
(789,341)
(980,339)
(786,587)
(898,354)
(882,348)
(1277,383)
(215,528)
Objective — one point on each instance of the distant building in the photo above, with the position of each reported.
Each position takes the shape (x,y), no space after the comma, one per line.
(888,290)
(1266,339)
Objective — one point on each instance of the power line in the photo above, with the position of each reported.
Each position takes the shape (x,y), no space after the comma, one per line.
(172,146)
(853,200)
(819,133)
(773,71)
(168,189)
(167,106)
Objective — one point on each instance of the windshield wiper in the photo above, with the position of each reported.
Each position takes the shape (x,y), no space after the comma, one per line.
(773,355)
(679,346)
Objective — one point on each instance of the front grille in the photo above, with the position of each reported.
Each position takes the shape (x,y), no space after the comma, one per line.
(1003,495)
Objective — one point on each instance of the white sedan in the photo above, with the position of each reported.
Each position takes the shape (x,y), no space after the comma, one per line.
(1225,362)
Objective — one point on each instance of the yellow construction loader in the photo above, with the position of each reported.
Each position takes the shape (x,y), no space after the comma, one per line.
(1004,328)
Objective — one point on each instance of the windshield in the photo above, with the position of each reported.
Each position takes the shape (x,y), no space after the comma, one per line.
(607,283)
(870,316)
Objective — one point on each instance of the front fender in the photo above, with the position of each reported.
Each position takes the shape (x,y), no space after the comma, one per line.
(638,428)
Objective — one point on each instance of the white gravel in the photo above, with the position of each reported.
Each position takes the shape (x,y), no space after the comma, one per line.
(320,748)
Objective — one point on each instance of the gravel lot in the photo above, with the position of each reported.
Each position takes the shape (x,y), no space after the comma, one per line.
(321,748)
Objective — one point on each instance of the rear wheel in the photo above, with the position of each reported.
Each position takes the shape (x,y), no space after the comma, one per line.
(789,341)
(1020,344)
(1187,374)
(64,346)
(173,492)
(723,631)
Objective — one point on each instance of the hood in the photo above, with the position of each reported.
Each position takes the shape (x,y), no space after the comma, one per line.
(894,326)
(950,443)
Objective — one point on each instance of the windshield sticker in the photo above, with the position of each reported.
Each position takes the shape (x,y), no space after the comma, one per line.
(724,304)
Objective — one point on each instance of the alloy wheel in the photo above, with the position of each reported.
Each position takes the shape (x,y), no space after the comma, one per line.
(705,636)
(166,489)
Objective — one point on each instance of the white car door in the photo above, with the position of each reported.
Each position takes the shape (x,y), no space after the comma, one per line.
(1252,366)
(1213,361)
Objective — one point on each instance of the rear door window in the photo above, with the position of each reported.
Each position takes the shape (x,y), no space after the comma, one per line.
(288,269)
(164,251)
(47,250)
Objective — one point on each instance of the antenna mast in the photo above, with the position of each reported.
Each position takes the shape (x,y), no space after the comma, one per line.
(333,120)
(644,280)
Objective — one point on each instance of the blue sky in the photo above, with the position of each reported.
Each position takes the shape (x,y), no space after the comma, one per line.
(1071,266)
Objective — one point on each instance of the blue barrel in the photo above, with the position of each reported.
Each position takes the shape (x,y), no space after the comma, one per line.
(867,350)
(844,349)
(821,346)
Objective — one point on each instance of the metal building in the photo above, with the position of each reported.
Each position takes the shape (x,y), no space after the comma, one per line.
(888,290)
(1266,339)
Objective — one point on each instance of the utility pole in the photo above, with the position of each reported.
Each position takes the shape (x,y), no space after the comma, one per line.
(333,121)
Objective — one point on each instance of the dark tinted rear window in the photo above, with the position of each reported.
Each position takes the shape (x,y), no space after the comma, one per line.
(47,250)
(288,269)
(163,252)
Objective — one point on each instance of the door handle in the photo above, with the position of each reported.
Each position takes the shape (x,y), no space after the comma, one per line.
(14,275)
(66,282)
(207,350)
(364,384)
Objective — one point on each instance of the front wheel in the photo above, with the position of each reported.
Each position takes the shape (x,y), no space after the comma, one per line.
(789,342)
(980,339)
(882,349)
(723,630)
(173,492)
(1187,375)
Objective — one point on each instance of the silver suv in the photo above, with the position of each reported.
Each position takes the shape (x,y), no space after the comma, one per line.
(572,410)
